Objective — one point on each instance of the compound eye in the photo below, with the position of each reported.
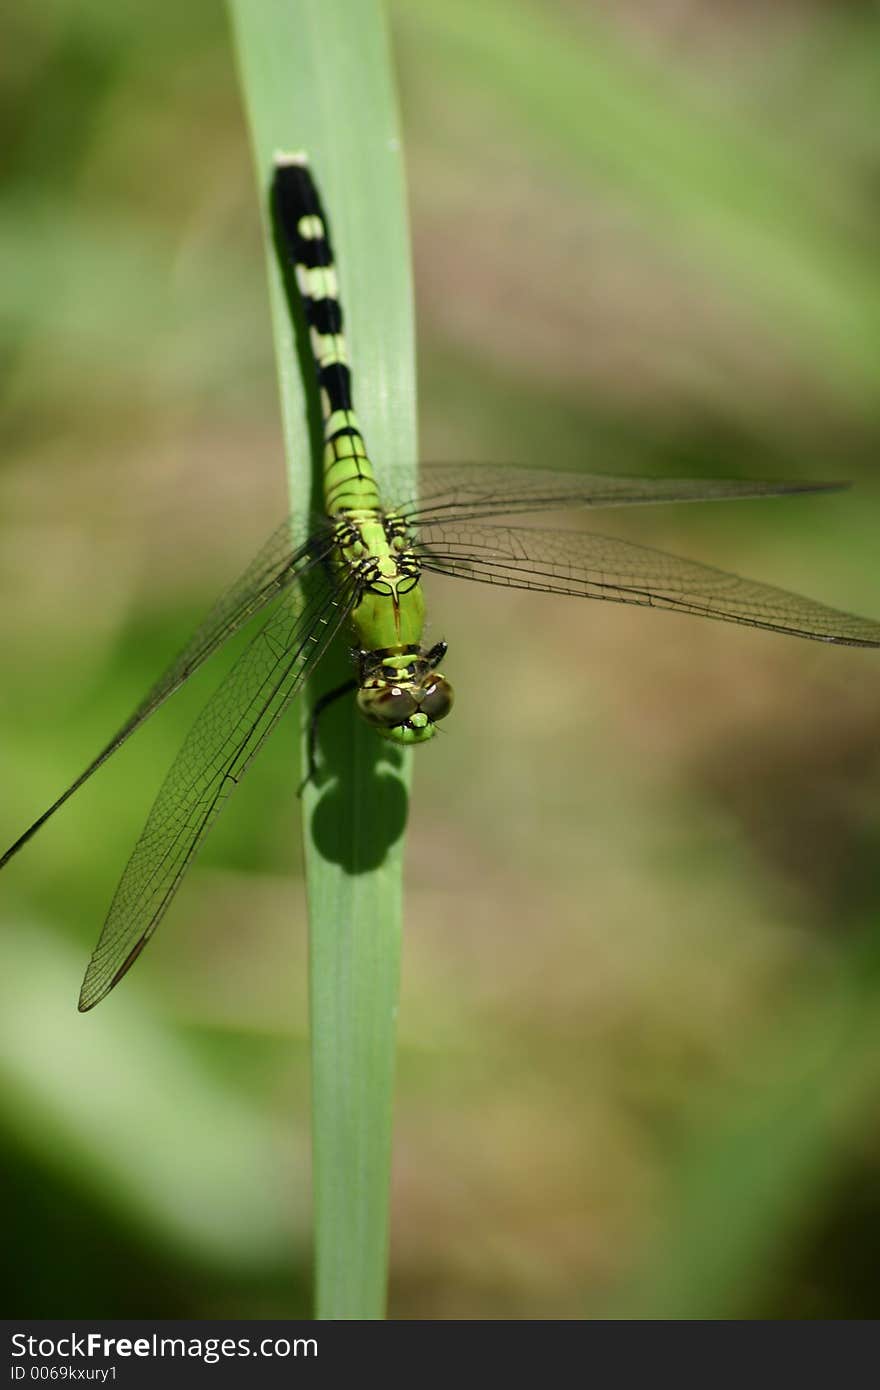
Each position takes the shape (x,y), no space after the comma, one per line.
(437,700)
(387,705)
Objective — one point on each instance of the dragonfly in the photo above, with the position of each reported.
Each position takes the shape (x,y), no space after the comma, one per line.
(359,566)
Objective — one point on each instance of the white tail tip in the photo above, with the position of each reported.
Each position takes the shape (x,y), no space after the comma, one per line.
(283,159)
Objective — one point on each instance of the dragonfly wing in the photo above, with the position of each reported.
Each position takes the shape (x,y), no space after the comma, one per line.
(603,567)
(273,569)
(214,757)
(469,492)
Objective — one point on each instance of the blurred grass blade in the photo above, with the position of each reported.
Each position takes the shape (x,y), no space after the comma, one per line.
(96,1105)
(614,119)
(316,75)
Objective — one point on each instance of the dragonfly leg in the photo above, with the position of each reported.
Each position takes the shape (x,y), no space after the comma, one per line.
(320,706)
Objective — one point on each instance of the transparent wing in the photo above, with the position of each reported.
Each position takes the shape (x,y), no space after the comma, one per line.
(275,566)
(602,567)
(470,492)
(214,757)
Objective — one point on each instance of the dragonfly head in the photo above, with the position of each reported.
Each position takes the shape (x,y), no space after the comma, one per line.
(404,696)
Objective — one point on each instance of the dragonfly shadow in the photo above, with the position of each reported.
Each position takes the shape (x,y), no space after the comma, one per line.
(362,804)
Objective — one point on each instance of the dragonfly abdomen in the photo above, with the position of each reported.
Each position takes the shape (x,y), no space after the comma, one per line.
(349,482)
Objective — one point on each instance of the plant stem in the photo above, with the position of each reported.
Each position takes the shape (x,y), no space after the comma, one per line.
(316,75)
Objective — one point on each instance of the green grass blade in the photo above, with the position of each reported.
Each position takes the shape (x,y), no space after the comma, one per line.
(317,76)
(213,1195)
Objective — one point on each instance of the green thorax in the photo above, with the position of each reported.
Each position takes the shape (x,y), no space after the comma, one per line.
(391,612)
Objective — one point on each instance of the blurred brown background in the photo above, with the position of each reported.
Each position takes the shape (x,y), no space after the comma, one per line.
(639,1030)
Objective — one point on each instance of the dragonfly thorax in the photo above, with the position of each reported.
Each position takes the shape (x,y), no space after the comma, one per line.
(376,551)
(402,694)
(377,548)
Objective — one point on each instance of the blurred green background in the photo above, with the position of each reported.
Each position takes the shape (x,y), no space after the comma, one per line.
(640,1026)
